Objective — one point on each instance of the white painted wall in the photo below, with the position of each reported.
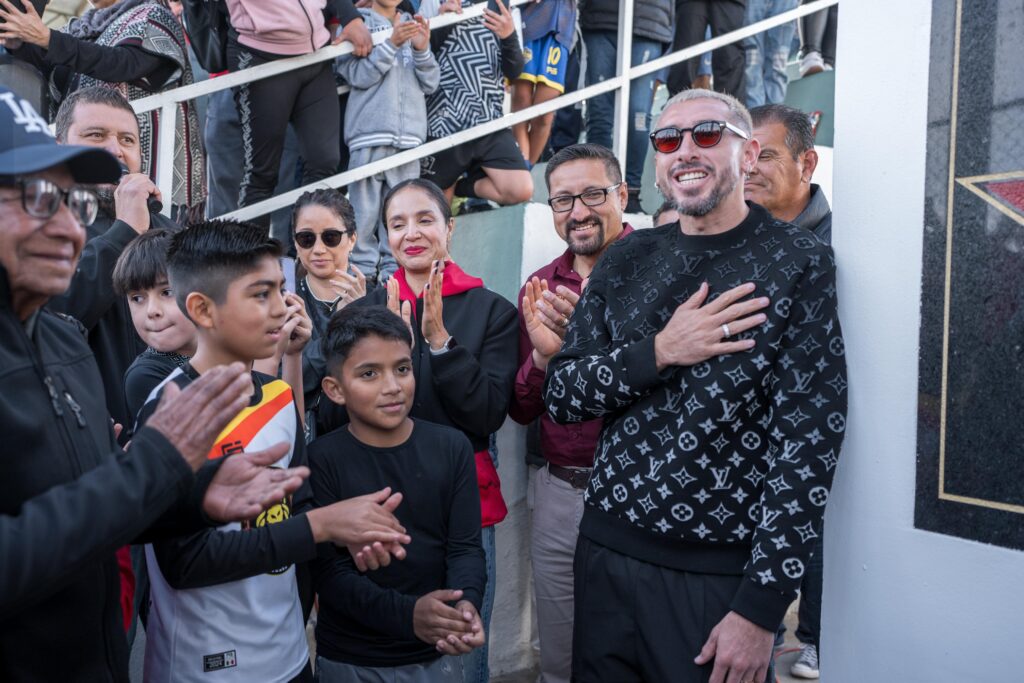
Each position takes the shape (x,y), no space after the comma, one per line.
(899,604)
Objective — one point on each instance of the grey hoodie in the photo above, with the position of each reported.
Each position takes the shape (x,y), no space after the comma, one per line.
(387,106)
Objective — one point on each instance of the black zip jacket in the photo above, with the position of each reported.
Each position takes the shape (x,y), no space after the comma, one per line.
(69,497)
(469,387)
(91,300)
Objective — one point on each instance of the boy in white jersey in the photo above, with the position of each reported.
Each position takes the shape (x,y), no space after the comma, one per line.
(225,603)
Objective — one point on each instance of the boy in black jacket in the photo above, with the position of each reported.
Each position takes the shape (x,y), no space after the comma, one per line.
(403,620)
(226,600)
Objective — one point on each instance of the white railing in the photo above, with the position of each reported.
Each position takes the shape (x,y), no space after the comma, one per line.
(167,101)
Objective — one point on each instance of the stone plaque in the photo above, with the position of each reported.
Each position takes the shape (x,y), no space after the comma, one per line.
(970,467)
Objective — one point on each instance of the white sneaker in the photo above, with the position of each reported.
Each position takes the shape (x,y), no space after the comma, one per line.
(812,63)
(806,665)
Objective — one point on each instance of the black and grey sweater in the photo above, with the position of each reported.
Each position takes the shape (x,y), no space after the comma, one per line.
(725,466)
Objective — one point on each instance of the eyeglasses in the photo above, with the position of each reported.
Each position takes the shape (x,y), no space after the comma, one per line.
(41,198)
(704,134)
(330,237)
(564,203)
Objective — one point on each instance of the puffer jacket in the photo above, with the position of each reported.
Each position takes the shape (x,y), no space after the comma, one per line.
(652,19)
(69,497)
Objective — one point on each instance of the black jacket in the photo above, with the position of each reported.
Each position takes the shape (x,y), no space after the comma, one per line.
(69,497)
(652,19)
(469,387)
(91,300)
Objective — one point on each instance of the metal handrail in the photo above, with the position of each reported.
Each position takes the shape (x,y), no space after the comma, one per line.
(167,101)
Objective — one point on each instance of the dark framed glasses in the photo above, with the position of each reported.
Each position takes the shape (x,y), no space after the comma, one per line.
(704,134)
(41,198)
(596,197)
(330,237)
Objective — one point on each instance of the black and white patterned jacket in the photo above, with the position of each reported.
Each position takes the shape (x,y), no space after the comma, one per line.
(724,466)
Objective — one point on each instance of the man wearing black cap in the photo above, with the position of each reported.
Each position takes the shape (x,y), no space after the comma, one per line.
(102,117)
(69,496)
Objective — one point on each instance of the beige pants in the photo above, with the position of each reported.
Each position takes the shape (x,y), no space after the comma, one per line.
(557,509)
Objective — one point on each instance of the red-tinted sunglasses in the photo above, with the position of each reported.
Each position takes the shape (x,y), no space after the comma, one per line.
(704,134)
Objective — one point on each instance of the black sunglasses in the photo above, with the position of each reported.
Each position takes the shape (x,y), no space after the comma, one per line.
(330,237)
(41,198)
(704,134)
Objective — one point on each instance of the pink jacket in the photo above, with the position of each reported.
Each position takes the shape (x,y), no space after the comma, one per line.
(280,27)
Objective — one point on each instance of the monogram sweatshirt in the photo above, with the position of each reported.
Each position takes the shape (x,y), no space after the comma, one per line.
(725,466)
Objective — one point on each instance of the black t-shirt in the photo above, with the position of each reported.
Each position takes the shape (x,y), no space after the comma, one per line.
(367,619)
(145,374)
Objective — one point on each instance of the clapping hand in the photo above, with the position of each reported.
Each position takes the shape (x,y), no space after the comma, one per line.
(403,309)
(403,32)
(245,484)
(433,321)
(544,334)
(421,41)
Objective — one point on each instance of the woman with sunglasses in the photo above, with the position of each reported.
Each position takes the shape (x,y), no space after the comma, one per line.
(324,231)
(465,350)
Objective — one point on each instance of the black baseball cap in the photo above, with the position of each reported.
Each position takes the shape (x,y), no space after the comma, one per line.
(26,146)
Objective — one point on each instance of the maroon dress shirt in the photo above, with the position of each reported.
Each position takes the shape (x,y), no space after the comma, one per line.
(569,445)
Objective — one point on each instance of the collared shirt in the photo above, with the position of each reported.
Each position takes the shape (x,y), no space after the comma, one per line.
(569,445)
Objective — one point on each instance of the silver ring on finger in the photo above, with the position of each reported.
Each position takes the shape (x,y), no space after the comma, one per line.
(725,330)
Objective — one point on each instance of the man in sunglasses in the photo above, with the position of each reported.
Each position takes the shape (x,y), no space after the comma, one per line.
(101,117)
(69,496)
(712,350)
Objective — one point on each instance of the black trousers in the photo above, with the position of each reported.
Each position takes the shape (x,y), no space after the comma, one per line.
(727,63)
(636,622)
(308,98)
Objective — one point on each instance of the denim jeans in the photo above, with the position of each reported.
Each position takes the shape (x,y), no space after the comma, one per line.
(475,669)
(601,49)
(767,53)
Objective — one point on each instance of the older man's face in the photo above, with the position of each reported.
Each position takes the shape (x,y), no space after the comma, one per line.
(39,255)
(696,178)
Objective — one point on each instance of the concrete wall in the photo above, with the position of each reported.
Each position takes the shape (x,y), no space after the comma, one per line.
(900,604)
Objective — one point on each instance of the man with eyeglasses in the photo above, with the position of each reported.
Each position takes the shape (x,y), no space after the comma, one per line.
(69,496)
(102,117)
(587,198)
(712,351)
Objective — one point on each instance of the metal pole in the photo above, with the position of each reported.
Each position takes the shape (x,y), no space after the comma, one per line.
(623,63)
(165,154)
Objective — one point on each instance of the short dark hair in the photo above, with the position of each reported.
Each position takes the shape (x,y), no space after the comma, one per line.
(94,94)
(667,205)
(143,263)
(208,256)
(333,201)
(353,323)
(582,151)
(799,132)
(432,190)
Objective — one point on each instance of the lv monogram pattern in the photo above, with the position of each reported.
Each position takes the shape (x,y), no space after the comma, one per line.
(741,448)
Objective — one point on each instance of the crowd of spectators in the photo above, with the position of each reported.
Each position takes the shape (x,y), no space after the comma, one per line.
(383,243)
(237,147)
